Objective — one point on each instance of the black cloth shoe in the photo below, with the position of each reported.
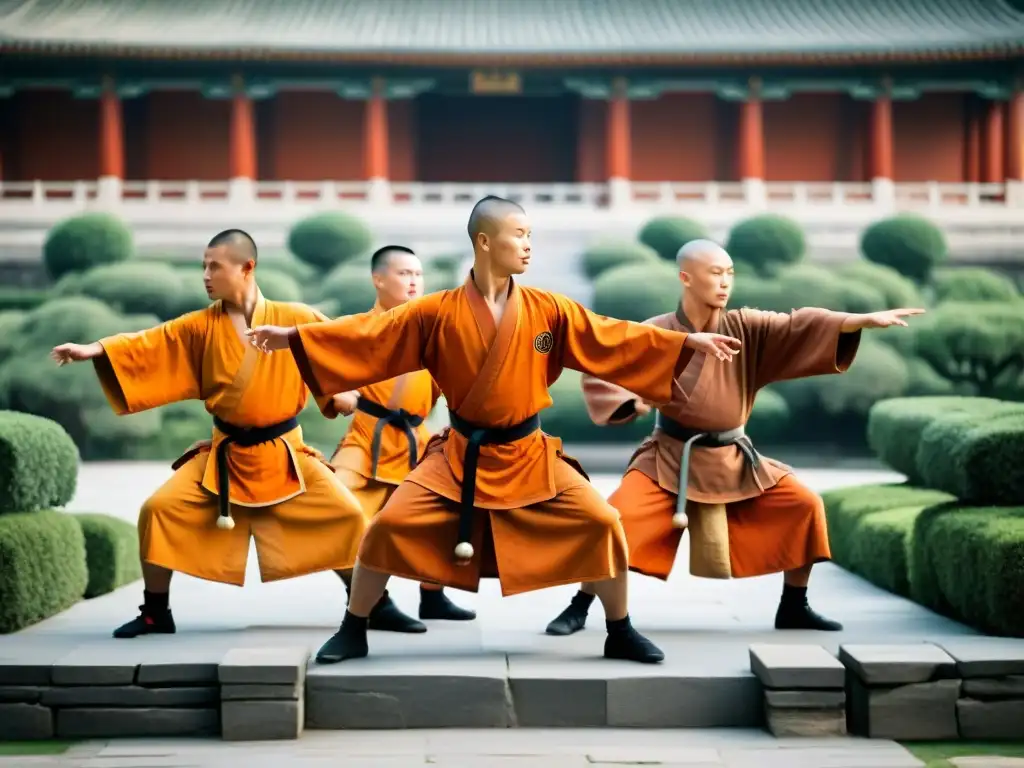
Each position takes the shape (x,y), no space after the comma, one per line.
(148,622)
(349,642)
(795,612)
(573,618)
(625,643)
(435,605)
(386,617)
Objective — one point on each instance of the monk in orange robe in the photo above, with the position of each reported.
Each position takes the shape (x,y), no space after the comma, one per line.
(775,523)
(493,486)
(256,477)
(387,435)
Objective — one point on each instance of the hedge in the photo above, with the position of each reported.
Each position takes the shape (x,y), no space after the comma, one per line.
(348,288)
(603,256)
(18,299)
(973,284)
(325,240)
(667,234)
(769,242)
(910,244)
(897,290)
(42,566)
(86,241)
(637,291)
(112,553)
(38,463)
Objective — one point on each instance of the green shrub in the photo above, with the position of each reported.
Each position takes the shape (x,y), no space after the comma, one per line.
(569,420)
(637,291)
(925,381)
(615,253)
(278,286)
(111,551)
(327,240)
(908,243)
(768,242)
(895,425)
(284,261)
(878,550)
(42,567)
(975,457)
(770,418)
(968,284)
(21,298)
(82,242)
(976,345)
(192,295)
(447,262)
(134,287)
(897,291)
(38,463)
(667,234)
(805,285)
(439,280)
(349,288)
(320,432)
(968,563)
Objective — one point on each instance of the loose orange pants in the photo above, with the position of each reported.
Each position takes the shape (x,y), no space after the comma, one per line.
(781,530)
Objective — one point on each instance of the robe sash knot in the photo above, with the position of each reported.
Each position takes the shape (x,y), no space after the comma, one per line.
(245,437)
(394,417)
(691,437)
(477,436)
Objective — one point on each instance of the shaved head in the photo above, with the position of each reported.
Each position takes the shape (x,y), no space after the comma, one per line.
(380,258)
(701,252)
(238,242)
(488,213)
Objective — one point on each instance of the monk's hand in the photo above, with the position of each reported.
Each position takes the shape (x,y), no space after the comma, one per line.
(75,353)
(269,338)
(714,344)
(641,408)
(889,317)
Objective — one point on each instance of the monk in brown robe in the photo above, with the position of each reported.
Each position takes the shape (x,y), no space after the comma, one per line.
(255,477)
(774,522)
(494,347)
(387,435)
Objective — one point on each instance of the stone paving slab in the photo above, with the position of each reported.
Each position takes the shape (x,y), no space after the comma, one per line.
(986,657)
(796,666)
(892,664)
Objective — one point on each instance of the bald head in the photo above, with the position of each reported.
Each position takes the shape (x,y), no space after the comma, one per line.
(701,252)
(706,271)
(488,214)
(238,243)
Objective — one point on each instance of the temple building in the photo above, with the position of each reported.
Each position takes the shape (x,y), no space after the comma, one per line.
(548,92)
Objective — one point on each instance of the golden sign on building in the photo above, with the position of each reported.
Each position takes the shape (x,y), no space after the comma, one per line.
(495,82)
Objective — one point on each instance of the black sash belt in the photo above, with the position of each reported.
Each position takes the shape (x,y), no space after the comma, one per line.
(478,436)
(691,437)
(399,418)
(244,437)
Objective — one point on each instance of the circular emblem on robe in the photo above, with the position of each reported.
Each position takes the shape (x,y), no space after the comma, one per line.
(544,342)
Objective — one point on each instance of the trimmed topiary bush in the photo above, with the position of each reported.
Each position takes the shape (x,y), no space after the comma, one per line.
(278,286)
(38,463)
(970,284)
(769,419)
(86,241)
(112,553)
(349,289)
(601,257)
(897,291)
(326,240)
(21,299)
(910,244)
(134,287)
(637,291)
(42,567)
(768,242)
(667,234)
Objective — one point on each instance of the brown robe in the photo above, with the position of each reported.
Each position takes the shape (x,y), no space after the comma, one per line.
(743,521)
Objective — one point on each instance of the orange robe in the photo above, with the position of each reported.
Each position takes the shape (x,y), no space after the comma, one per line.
(547,524)
(770,521)
(282,492)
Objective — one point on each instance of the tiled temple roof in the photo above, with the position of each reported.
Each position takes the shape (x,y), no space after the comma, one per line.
(421,31)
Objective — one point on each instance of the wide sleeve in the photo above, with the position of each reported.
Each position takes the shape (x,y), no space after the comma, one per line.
(608,404)
(639,358)
(150,368)
(355,351)
(306,315)
(805,342)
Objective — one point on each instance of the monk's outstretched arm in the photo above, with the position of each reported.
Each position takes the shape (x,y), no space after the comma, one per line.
(150,368)
(355,351)
(804,342)
(641,360)
(331,405)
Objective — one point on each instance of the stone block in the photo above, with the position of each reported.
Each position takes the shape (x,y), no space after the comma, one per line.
(990,719)
(261,720)
(572,703)
(89,666)
(805,699)
(986,656)
(685,702)
(805,723)
(914,712)
(25,722)
(129,696)
(273,666)
(796,666)
(984,688)
(99,723)
(268,692)
(185,673)
(23,694)
(28,664)
(897,664)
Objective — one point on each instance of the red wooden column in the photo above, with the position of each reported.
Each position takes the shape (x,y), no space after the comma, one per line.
(243,138)
(751,135)
(882,163)
(375,143)
(993,161)
(972,141)
(619,145)
(111,143)
(1015,135)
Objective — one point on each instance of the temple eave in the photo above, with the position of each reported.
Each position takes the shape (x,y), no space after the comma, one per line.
(987,52)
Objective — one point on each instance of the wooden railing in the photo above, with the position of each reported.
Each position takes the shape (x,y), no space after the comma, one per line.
(924,195)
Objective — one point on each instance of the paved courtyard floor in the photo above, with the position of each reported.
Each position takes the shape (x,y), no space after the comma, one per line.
(704,626)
